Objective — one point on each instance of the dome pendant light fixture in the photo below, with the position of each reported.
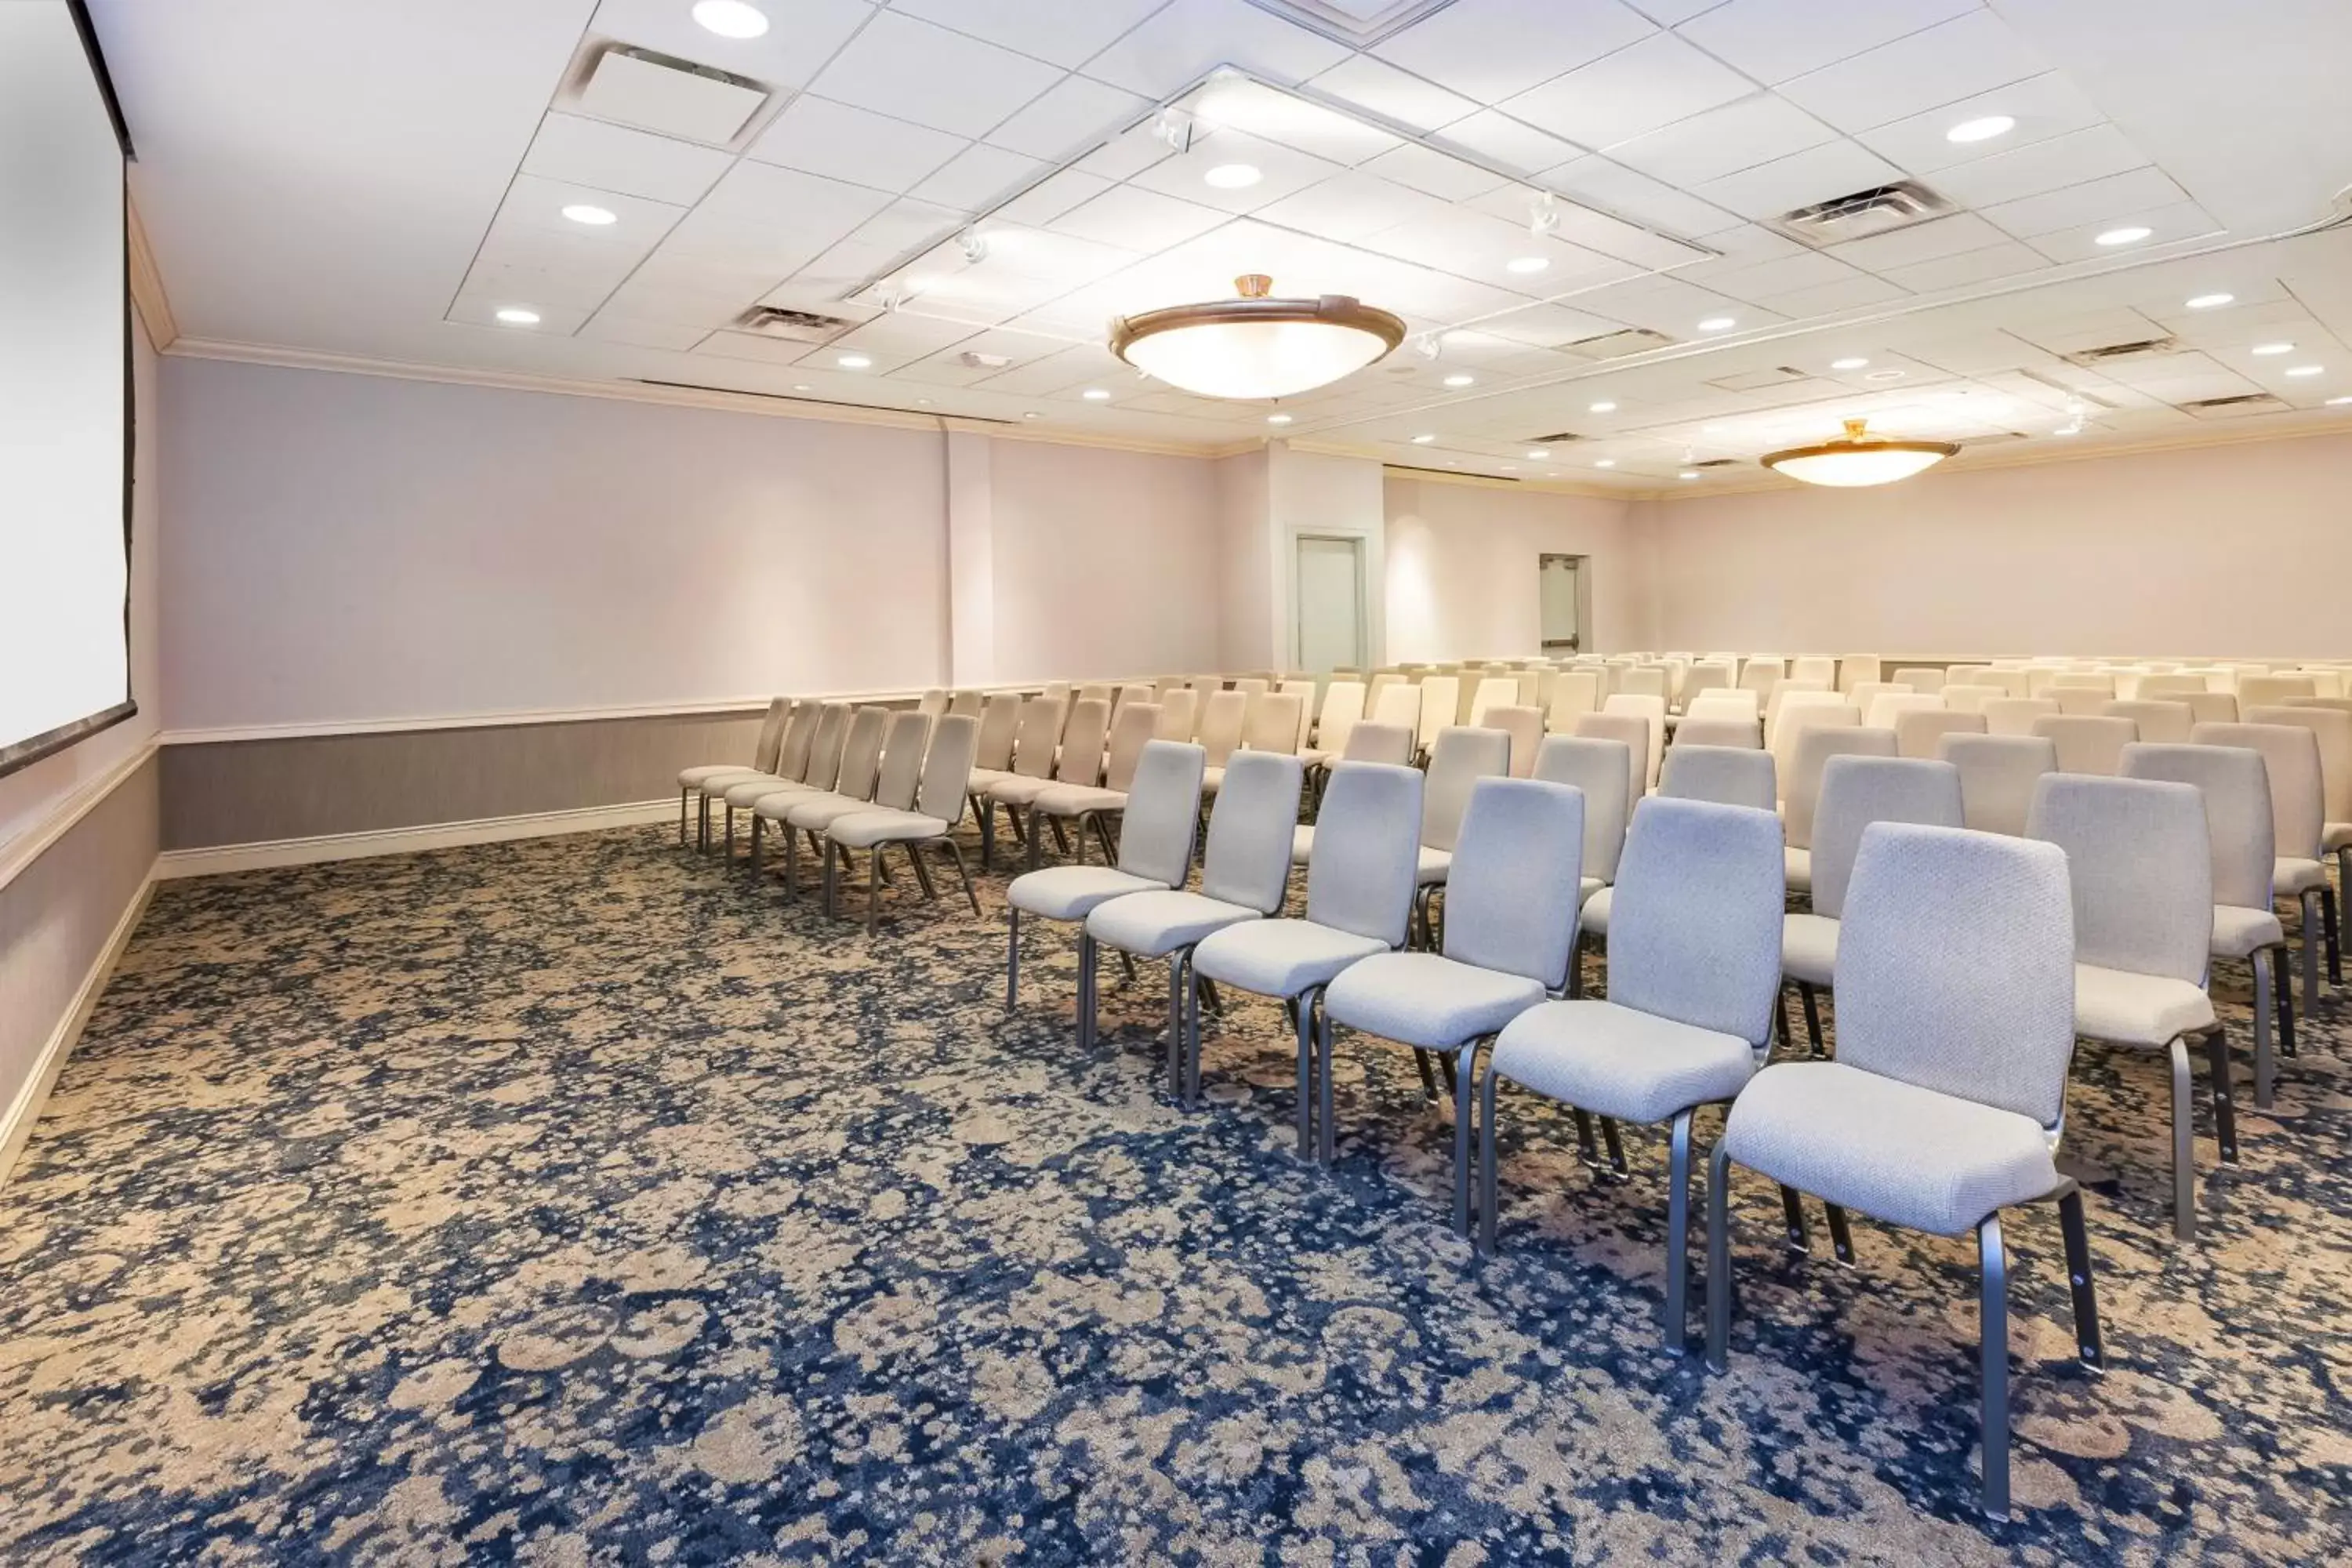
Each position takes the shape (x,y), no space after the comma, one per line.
(1856,459)
(1254,346)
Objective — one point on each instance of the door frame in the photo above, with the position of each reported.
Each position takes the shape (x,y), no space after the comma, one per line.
(1583,641)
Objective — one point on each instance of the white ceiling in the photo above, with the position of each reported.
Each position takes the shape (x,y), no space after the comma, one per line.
(378,182)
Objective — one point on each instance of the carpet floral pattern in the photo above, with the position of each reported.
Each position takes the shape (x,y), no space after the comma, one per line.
(569,1202)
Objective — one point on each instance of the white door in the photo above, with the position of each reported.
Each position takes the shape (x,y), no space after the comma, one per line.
(1563,631)
(1331,578)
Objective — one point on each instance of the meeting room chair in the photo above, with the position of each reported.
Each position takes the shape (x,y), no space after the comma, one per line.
(791,759)
(2212,707)
(1999,775)
(1301,689)
(932,703)
(1795,723)
(1342,711)
(1728,775)
(764,748)
(1492,691)
(1800,788)
(939,806)
(2159,722)
(1525,726)
(2299,822)
(2331,727)
(1651,711)
(1036,744)
(1569,695)
(1925,679)
(1853,669)
(2017,715)
(1918,732)
(2270,690)
(1970,697)
(1439,701)
(1222,721)
(822,770)
(1745,734)
(1634,731)
(1270,723)
(1390,744)
(855,787)
(2086,743)
(1462,755)
(1179,715)
(1077,765)
(1398,706)
(1814,669)
(1132,727)
(1886,708)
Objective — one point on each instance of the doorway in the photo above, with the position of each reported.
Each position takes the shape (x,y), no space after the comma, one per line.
(1329,575)
(1562,579)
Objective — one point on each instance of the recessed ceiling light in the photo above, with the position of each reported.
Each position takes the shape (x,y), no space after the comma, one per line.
(1523,264)
(2339,402)
(1233,176)
(730,18)
(2129,235)
(1277,418)
(1850,363)
(1096,394)
(802,386)
(1604,462)
(593,216)
(1883,375)
(854,362)
(1983,130)
(1718,324)
(2209,301)
(1033,414)
(1510,468)
(1604,407)
(2307,370)
(2274,348)
(1460,380)
(1538,453)
(516,316)
(1423,440)
(1687,474)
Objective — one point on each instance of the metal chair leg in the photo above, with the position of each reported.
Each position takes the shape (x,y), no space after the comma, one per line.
(2225,1103)
(1587,1150)
(1992,1353)
(829,880)
(2087,1343)
(1678,1176)
(1719,1258)
(1191,1089)
(1806,994)
(1460,1061)
(1792,1207)
(1086,967)
(757,821)
(1489,1199)
(1428,1073)
(955,852)
(682,794)
(1841,1236)
(873,887)
(1617,1166)
(1177,981)
(791,860)
(2311,944)
(2264,1029)
(730,833)
(1327,1137)
(1302,1007)
(2184,1164)
(2284,993)
(2335,951)
(1011,956)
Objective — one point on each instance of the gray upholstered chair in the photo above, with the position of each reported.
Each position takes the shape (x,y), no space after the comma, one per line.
(1602,770)
(878,742)
(1509,929)
(1162,816)
(1222,717)
(1997,776)
(1728,775)
(1244,872)
(1633,730)
(2087,742)
(933,703)
(765,749)
(1343,709)
(1459,756)
(1367,743)
(1360,891)
(1569,695)
(939,806)
(1855,792)
(820,768)
(1800,788)
(1526,728)
(1439,695)
(1918,732)
(1694,968)
(2141,868)
(1710,730)
(2331,726)
(1036,744)
(965,703)
(1949,1093)
(2017,715)
(1090,805)
(1078,764)
(2298,822)
(2162,722)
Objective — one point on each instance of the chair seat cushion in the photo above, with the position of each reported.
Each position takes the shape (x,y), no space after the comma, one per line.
(1302,845)
(1281,958)
(1315,759)
(1433,866)
(1897,1151)
(983,777)
(2238,933)
(1072,892)
(1077,800)
(1423,999)
(1211,779)
(2136,1009)
(1018,789)
(1619,1062)
(742,792)
(1151,924)
(1809,944)
(694,778)
(2335,835)
(2290,876)
(1595,917)
(1588,886)
(864,829)
(1797,865)
(814,812)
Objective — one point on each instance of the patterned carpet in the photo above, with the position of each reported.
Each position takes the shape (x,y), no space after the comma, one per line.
(566,1202)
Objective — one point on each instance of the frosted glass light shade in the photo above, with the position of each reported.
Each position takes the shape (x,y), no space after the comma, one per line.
(1856,462)
(1253,346)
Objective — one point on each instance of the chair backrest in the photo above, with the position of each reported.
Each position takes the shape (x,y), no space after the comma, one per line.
(1602,771)
(1132,691)
(1397,704)
(2016,715)
(823,767)
(1800,781)
(933,702)
(947,769)
(2169,684)
(1643,680)
(2086,743)
(1362,869)
(1090,690)
(1787,695)
(966,704)
(1970,697)
(1462,754)
(1034,740)
(1728,775)
(2212,707)
(1513,894)
(1524,727)
(800,734)
(1000,720)
(1651,710)
(1180,714)
(1746,735)
(1083,738)
(1343,709)
(904,744)
(1788,737)
(1371,743)
(1494,692)
(1956,966)
(1439,695)
(1707,675)
(2141,867)
(1163,812)
(1859,791)
(1853,669)
(772,734)
(2291,760)
(1725,703)
(1220,725)
(1569,695)
(2269,690)
(1382,682)
(2081,701)
(1270,723)
(1998,774)
(1919,677)
(1131,729)
(2236,788)
(1252,685)
(1248,856)
(1761,675)
(1694,923)
(2162,722)
(1303,689)
(1815,669)
(2332,728)
(2092,680)
(2016,683)
(1530,682)
(861,753)
(1634,731)
(1917,732)
(1865,692)
(1884,709)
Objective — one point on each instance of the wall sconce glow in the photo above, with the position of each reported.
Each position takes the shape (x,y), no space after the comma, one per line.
(593,216)
(1603,407)
(1523,265)
(2211,302)
(1461,380)
(1983,130)
(730,18)
(2132,235)
(1096,394)
(1854,459)
(1853,362)
(1254,346)
(1233,176)
(516,316)
(1718,324)
(854,362)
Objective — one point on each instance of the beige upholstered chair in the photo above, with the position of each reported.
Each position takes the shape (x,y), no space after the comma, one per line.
(2086,743)
(1999,775)
(1918,732)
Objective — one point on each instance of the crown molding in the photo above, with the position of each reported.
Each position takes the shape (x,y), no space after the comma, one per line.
(146,282)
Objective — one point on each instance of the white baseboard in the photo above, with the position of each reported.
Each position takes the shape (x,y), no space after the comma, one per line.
(174,863)
(16,1127)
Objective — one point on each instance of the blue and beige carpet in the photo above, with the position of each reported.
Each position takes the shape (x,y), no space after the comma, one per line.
(565,1202)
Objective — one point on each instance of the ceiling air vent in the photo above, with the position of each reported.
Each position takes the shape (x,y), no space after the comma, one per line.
(2140,350)
(674,97)
(2236,407)
(1358,23)
(1718,463)
(1557,438)
(1878,210)
(793,326)
(1617,345)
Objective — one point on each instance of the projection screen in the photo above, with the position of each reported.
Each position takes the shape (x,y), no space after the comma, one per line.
(65,387)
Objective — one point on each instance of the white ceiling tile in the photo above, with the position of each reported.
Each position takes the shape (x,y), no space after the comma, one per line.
(1434,173)
(609,327)
(1349,207)
(1550,326)
(1052,196)
(2137,190)
(535,203)
(538,286)
(975,179)
(1490,50)
(479,308)
(2043,106)
(1739,135)
(1773,40)
(1620,190)
(1982,266)
(1739,247)
(1637,90)
(1066,32)
(762,205)
(584,151)
(2041,167)
(822,137)
(1967,55)
(913,70)
(1850,293)
(1291,121)
(1817,174)
(907,224)
(1135,219)
(844,267)
(761,350)
(1672,13)
(1506,144)
(1384,90)
(1948,236)
(787,56)
(1179,44)
(903,335)
(1784,275)
(2181,220)
(1282,172)
(681,306)
(1071,115)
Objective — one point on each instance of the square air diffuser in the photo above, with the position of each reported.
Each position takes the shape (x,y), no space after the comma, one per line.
(674,97)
